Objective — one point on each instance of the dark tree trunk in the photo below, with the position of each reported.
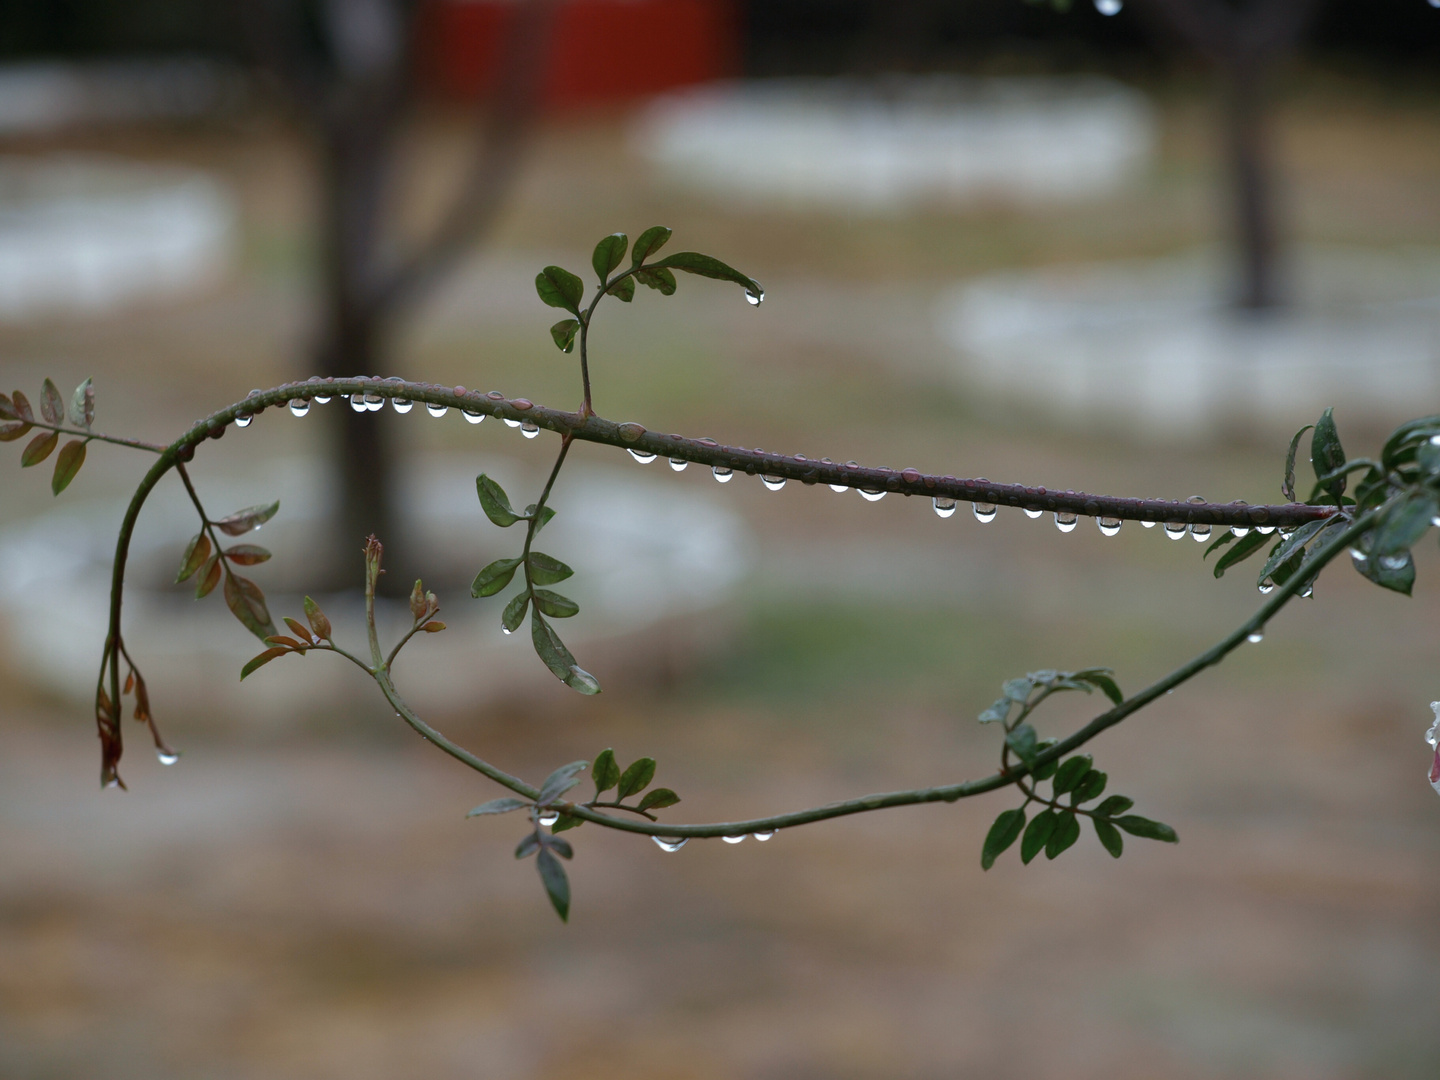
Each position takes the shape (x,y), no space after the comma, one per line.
(1252,187)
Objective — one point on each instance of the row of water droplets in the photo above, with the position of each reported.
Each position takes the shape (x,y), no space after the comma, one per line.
(373,401)
(548,818)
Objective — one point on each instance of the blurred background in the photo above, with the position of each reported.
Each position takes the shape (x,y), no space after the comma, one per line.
(1124,249)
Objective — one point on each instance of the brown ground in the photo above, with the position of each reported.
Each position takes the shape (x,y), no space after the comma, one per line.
(314,905)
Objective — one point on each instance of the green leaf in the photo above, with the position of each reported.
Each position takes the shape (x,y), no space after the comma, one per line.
(1404,525)
(1046,770)
(557,885)
(560,847)
(39,449)
(636,777)
(565,823)
(692,262)
(261,660)
(494,577)
(498,806)
(581,681)
(555,605)
(1017,690)
(242,521)
(247,603)
(52,405)
(82,404)
(661,280)
(564,333)
(604,772)
(1385,572)
(1150,830)
(546,570)
(649,242)
(624,289)
(1067,831)
(1400,447)
(1022,741)
(997,713)
(1287,485)
(1037,833)
(1109,836)
(495,502)
(609,253)
(194,558)
(1102,678)
(527,846)
(1326,453)
(1248,545)
(545,514)
(1286,550)
(1091,785)
(560,781)
(1001,835)
(514,613)
(658,798)
(1071,772)
(209,576)
(1115,804)
(549,647)
(560,288)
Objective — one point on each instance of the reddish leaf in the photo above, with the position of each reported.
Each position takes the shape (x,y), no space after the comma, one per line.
(318,622)
(247,603)
(261,660)
(209,577)
(142,703)
(11,432)
(288,642)
(246,554)
(22,407)
(298,629)
(67,464)
(129,682)
(418,606)
(39,449)
(7,409)
(433,627)
(52,405)
(194,558)
(242,521)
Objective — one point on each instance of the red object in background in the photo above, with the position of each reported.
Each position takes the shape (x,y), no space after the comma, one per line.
(601,51)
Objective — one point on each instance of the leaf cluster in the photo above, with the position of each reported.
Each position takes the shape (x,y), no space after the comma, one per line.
(17,418)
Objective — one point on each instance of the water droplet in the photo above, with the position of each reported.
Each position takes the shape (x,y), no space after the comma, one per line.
(1175,529)
(510,423)
(299,406)
(243,420)
(733,839)
(1196,500)
(984,512)
(1108,7)
(374,402)
(401,405)
(549,817)
(1435,521)
(678,464)
(167,757)
(1065,521)
(944,507)
(1286,531)
(1033,512)
(839,488)
(1239,531)
(1432,737)
(642,456)
(1358,556)
(476,417)
(1307,590)
(506,631)
(1200,533)
(435,409)
(321,399)
(722,473)
(529,429)
(1394,562)
(1264,530)
(1108,526)
(763,836)
(357,402)
(774,483)
(1148,524)
(1257,637)
(1266,588)
(666,843)
(113,782)
(754,299)
(871,494)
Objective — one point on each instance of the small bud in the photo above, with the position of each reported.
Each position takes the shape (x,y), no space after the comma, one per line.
(317,619)
(373,552)
(418,606)
(432,605)
(433,627)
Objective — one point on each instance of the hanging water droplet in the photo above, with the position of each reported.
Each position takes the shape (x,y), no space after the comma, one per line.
(1257,637)
(1266,587)
(722,473)
(321,399)
(1108,7)
(548,817)
(506,631)
(243,420)
(1065,521)
(984,512)
(642,456)
(755,299)
(476,417)
(733,839)
(1239,531)
(374,402)
(763,836)
(1200,532)
(1358,556)
(530,429)
(1286,531)
(436,409)
(357,402)
(838,488)
(1307,590)
(871,494)
(401,405)
(774,483)
(1264,530)
(299,406)
(1033,512)
(1175,529)
(1394,562)
(1196,500)
(944,507)
(113,782)
(666,843)
(1148,524)
(509,422)
(1109,526)
(678,464)
(166,757)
